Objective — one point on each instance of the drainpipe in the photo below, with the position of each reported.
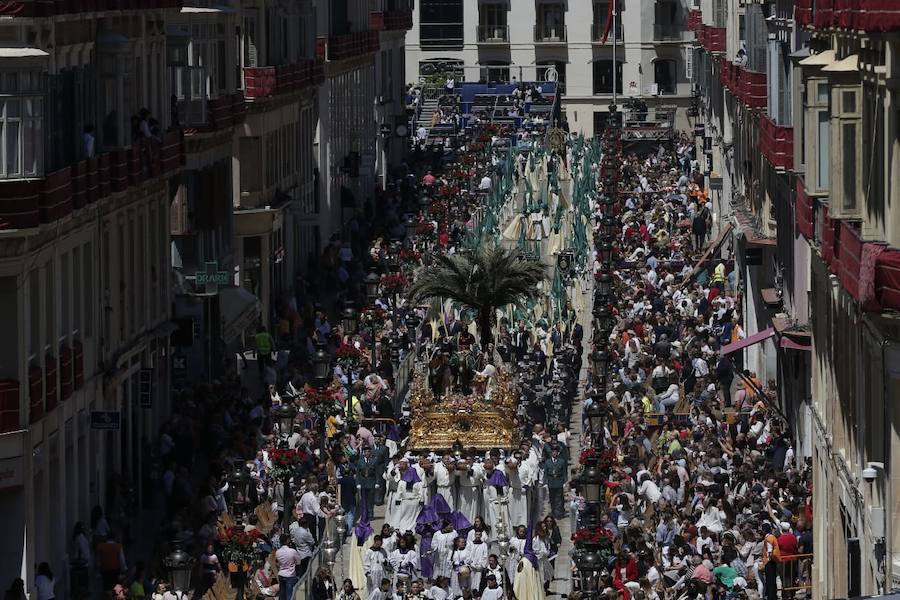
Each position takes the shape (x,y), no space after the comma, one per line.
(885,559)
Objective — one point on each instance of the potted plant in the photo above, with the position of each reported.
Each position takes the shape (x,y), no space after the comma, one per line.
(239,547)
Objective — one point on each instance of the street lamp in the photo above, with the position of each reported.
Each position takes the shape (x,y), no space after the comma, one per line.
(609,225)
(591,483)
(600,360)
(410,225)
(321,365)
(179,564)
(349,319)
(412,326)
(608,203)
(424,204)
(604,284)
(238,489)
(589,565)
(284,415)
(595,415)
(605,318)
(605,251)
(372,281)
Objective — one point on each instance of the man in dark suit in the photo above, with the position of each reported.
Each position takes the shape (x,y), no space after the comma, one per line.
(366,477)
(555,475)
(380,458)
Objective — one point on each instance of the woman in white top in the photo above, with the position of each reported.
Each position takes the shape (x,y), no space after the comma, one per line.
(44,582)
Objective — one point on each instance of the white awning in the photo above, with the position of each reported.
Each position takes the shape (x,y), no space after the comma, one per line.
(819,60)
(22,53)
(199,10)
(846,65)
(238,309)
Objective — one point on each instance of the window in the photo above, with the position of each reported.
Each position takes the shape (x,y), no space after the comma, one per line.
(551,19)
(495,72)
(665,75)
(818,136)
(441,23)
(603,77)
(21,124)
(823,172)
(492,24)
(601,14)
(848,164)
(668,24)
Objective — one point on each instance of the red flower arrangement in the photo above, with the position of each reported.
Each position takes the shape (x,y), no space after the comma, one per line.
(607,459)
(239,546)
(284,462)
(393,283)
(410,255)
(320,401)
(348,353)
(598,536)
(588,455)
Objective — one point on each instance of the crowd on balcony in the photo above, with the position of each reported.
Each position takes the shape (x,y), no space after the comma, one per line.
(690,486)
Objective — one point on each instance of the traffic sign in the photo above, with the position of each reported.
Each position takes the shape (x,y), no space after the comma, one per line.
(106,420)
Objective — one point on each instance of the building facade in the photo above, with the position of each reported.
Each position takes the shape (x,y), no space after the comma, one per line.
(801,138)
(491,40)
(167,171)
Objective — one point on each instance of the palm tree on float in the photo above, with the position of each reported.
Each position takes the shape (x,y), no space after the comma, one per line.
(484,280)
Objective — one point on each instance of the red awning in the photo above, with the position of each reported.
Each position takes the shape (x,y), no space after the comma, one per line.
(749,341)
(789,344)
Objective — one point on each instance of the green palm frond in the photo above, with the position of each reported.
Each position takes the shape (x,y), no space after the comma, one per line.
(487,278)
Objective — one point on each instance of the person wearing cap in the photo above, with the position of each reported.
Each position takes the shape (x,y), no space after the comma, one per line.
(555,476)
(368,474)
(381,460)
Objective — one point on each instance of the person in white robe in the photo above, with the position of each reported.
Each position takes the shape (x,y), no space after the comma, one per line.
(408,501)
(542,551)
(528,584)
(468,500)
(480,526)
(440,590)
(442,543)
(382,592)
(460,575)
(444,480)
(374,563)
(477,559)
(388,538)
(405,562)
(493,590)
(496,570)
(516,551)
(518,499)
(392,484)
(495,490)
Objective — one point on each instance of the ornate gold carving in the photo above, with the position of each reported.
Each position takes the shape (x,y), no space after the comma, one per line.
(474,421)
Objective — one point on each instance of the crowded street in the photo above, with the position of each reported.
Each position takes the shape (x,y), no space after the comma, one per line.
(515,380)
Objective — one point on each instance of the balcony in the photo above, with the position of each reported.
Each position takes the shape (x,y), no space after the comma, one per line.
(667,32)
(26,204)
(712,38)
(776,143)
(265,82)
(391,20)
(695,21)
(221,113)
(493,34)
(52,8)
(597,30)
(867,15)
(9,406)
(351,45)
(549,34)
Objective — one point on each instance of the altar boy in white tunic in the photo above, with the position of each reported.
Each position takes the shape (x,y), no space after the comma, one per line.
(374,562)
(518,497)
(493,591)
(477,559)
(442,546)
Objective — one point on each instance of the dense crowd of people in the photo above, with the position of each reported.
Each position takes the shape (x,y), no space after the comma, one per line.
(702,492)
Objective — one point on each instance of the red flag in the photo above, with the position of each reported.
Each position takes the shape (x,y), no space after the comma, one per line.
(609,20)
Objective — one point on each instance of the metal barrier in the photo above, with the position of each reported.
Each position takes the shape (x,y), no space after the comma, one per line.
(796,573)
(401,380)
